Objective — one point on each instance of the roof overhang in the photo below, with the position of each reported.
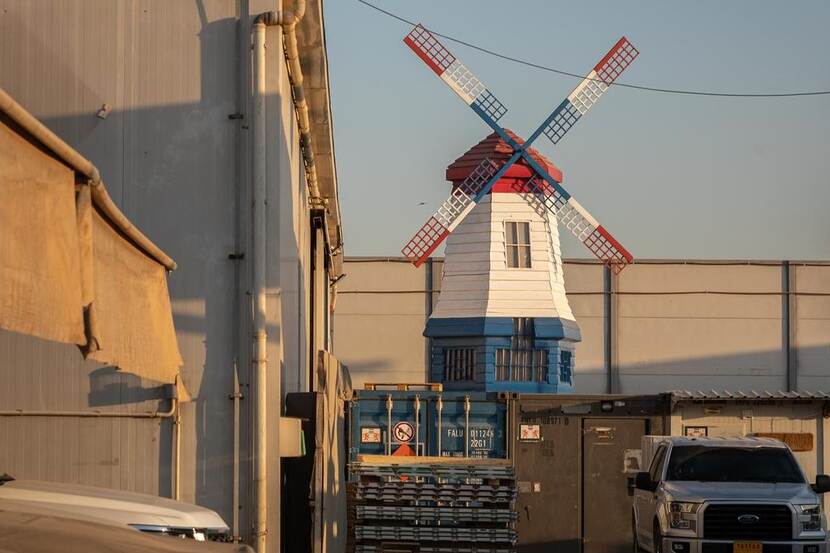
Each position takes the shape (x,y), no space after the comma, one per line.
(311,38)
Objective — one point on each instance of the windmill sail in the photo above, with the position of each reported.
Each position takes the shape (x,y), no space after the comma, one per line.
(547,190)
(449,214)
(576,219)
(586,94)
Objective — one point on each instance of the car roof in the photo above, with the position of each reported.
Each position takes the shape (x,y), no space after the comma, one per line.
(726,441)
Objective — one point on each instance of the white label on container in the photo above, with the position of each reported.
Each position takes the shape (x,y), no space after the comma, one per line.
(370,435)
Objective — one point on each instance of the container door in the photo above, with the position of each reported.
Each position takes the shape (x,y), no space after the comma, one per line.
(547,468)
(608,445)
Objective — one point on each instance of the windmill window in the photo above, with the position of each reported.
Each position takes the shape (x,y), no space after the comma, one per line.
(517,244)
(459,364)
(522,362)
(566,366)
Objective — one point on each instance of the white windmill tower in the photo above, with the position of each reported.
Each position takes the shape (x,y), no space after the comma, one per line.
(502,321)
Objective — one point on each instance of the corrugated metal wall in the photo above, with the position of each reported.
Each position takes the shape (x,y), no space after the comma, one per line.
(658,326)
(173,150)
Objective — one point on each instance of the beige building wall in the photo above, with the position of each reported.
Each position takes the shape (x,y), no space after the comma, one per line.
(173,144)
(660,325)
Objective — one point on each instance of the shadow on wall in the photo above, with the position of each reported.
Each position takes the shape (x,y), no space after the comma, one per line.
(109,386)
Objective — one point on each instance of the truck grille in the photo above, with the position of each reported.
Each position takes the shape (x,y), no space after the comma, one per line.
(748,522)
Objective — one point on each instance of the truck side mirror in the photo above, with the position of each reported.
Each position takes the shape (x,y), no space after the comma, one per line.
(643,481)
(822,484)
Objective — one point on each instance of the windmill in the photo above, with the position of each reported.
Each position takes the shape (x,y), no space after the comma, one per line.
(494,328)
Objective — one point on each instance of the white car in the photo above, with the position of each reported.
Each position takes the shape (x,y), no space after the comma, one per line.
(142,512)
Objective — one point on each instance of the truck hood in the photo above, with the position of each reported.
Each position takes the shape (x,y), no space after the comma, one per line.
(115,506)
(740,491)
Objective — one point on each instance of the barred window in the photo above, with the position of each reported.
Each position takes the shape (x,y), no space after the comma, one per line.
(522,361)
(566,366)
(517,244)
(459,364)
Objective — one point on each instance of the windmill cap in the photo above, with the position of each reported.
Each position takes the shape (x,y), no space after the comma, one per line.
(499,151)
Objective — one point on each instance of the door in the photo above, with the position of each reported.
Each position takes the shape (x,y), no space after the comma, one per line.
(606,444)
(547,471)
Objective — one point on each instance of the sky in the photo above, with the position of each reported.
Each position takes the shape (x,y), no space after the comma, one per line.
(671,176)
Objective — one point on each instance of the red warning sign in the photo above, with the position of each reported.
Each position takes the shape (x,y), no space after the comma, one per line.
(403,432)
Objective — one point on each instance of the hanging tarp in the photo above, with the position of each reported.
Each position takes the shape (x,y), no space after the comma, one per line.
(131,323)
(72,267)
(40,277)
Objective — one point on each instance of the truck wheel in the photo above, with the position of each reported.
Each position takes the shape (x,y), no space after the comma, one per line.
(657,538)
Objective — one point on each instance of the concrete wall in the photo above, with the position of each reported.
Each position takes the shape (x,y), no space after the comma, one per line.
(174,152)
(659,326)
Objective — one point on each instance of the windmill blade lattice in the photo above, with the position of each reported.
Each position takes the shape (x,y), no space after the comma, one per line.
(449,214)
(460,79)
(586,94)
(576,219)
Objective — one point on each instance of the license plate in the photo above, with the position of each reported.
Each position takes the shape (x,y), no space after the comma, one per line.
(747,547)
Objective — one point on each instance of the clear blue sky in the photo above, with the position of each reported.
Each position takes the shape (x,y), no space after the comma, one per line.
(670,176)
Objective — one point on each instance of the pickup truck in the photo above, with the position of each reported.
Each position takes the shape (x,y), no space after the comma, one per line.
(145,513)
(727,495)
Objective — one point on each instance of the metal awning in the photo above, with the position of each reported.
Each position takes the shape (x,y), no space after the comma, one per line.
(721,395)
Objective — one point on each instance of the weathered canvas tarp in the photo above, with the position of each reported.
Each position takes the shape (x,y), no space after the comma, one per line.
(130,319)
(40,278)
(72,267)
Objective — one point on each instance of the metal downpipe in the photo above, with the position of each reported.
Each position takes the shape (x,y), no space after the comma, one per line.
(259,334)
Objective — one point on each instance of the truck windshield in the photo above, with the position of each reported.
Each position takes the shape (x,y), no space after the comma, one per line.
(733,464)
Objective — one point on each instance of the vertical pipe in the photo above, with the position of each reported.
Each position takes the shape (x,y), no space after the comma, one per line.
(236,397)
(177,429)
(176,446)
(786,327)
(440,408)
(417,422)
(466,426)
(259,337)
(608,310)
(389,424)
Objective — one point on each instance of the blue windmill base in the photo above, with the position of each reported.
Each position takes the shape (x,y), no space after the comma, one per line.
(484,354)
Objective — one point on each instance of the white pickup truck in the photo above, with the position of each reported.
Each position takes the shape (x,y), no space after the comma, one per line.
(727,495)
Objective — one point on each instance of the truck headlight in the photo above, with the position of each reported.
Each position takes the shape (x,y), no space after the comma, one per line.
(683,515)
(810,517)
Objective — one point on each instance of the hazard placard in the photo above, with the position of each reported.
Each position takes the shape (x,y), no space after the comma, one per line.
(370,435)
(530,432)
(403,432)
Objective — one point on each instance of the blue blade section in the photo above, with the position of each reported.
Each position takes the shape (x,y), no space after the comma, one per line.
(490,105)
(558,122)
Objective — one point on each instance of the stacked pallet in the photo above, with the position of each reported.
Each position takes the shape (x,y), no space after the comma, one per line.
(431,505)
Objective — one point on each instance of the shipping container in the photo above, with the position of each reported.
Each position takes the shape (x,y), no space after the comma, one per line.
(428,422)
(429,472)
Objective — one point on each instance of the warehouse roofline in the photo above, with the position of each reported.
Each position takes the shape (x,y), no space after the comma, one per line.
(314,60)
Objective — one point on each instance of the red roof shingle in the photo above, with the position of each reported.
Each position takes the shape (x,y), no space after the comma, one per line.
(498,151)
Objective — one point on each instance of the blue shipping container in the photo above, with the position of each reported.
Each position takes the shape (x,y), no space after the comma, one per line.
(428,423)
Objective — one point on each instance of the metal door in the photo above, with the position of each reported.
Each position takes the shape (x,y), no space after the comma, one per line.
(606,444)
(547,470)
